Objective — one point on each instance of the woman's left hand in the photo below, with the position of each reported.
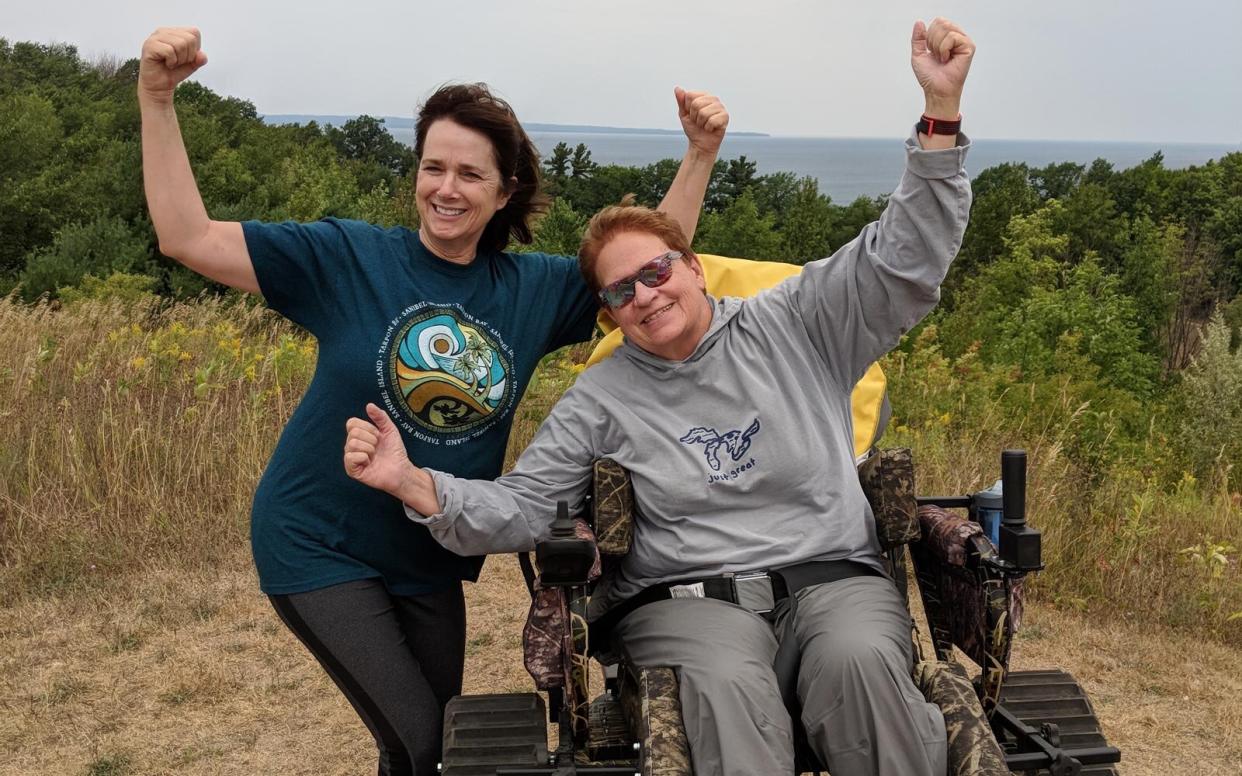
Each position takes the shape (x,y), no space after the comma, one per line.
(704,119)
(941,55)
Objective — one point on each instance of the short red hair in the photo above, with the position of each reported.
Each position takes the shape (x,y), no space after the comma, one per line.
(623,218)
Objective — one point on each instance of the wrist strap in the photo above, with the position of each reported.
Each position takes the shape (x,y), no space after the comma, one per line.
(929,126)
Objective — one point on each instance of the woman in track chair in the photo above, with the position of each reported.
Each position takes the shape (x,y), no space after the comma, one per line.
(733,418)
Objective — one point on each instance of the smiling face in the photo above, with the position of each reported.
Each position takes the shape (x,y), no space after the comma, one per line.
(666,321)
(458,190)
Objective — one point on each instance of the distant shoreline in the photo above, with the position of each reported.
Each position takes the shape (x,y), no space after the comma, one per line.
(397,122)
(845,168)
(403,123)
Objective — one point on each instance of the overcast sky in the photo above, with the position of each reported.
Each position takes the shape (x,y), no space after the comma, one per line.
(1056,69)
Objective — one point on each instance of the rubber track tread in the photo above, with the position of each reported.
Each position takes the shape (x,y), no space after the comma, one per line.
(484,732)
(1038,697)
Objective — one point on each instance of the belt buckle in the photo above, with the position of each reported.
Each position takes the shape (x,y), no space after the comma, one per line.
(753,590)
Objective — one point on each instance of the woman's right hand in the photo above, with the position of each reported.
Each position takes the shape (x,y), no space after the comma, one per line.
(375,456)
(703,119)
(169,56)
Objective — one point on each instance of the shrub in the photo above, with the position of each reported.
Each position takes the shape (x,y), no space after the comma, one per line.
(1207,424)
(100,247)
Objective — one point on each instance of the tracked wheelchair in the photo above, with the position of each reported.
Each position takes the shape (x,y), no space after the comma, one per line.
(965,558)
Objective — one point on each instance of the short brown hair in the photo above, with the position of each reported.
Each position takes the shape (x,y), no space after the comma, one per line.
(475,107)
(619,219)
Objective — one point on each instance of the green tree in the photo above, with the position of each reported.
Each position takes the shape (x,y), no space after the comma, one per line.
(1056,181)
(847,222)
(30,134)
(556,169)
(559,230)
(1036,310)
(654,181)
(1090,219)
(580,164)
(1086,302)
(1207,417)
(1225,228)
(374,156)
(729,180)
(556,164)
(315,187)
(1149,276)
(1000,193)
(775,193)
(607,185)
(739,231)
(1143,189)
(1101,172)
(100,248)
(807,228)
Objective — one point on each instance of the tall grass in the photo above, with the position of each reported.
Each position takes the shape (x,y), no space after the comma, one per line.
(1126,531)
(132,435)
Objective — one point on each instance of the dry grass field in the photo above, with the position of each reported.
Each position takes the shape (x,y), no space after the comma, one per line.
(133,638)
(169,672)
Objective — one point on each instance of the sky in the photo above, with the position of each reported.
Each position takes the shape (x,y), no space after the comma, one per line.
(1055,70)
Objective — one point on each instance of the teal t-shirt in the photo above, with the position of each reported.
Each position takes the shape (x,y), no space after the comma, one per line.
(446,349)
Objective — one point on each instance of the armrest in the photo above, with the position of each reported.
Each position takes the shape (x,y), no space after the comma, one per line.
(887,479)
(952,538)
(613,508)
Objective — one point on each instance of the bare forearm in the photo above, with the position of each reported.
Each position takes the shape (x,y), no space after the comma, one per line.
(684,200)
(177,210)
(417,490)
(215,249)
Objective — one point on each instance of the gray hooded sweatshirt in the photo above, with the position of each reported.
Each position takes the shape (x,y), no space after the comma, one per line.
(742,454)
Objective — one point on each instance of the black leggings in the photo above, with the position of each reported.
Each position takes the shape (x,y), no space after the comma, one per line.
(398,659)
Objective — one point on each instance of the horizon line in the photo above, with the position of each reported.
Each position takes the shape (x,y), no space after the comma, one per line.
(660,131)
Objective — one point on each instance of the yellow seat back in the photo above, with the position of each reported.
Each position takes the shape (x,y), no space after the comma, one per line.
(742,277)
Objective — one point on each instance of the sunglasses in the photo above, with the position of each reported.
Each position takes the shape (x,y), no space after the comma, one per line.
(652,274)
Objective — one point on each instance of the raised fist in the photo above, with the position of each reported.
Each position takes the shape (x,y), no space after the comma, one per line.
(169,56)
(703,117)
(940,56)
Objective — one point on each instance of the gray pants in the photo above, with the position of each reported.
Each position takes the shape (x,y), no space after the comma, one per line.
(860,708)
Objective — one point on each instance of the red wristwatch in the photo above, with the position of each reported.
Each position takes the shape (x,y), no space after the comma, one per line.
(929,126)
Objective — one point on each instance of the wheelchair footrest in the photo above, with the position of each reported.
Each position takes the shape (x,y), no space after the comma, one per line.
(486,732)
(610,735)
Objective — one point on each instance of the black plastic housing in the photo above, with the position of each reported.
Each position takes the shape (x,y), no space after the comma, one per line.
(1020,545)
(564,559)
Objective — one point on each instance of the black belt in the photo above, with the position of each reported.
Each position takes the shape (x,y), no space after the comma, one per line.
(741,589)
(744,589)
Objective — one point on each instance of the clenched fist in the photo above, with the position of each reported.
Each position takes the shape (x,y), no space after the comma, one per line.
(941,55)
(169,56)
(703,117)
(375,456)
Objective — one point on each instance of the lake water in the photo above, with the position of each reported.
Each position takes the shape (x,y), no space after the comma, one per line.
(850,167)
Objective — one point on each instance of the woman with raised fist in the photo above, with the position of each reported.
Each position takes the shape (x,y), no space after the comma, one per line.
(754,570)
(441,327)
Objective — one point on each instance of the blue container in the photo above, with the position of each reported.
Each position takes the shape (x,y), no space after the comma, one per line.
(989,511)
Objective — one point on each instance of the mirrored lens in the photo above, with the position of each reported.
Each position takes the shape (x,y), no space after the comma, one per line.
(652,274)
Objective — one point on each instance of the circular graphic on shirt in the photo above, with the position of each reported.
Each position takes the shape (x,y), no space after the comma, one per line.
(449,373)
